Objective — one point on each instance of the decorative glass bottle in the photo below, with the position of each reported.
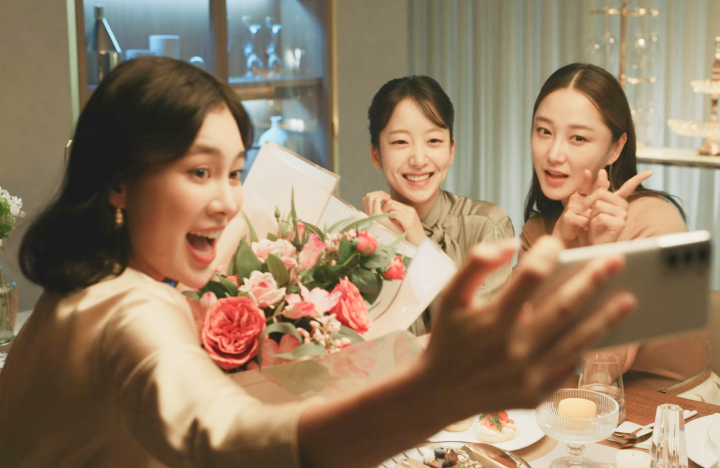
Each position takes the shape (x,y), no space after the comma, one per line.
(8,311)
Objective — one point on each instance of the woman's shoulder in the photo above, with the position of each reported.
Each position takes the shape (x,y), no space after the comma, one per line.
(650,216)
(534,228)
(467,207)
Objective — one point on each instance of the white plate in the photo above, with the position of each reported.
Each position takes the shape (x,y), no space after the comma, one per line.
(421,451)
(700,448)
(527,431)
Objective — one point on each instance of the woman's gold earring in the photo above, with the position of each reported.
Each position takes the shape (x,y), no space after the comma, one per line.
(119,218)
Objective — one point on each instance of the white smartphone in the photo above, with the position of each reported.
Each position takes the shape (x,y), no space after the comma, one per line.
(669,275)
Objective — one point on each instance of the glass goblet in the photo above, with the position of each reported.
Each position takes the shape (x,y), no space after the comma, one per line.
(576,432)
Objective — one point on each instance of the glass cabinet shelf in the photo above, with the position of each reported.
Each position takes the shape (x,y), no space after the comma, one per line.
(275,54)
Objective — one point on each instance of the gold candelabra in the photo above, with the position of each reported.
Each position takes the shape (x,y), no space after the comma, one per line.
(624,12)
(709,129)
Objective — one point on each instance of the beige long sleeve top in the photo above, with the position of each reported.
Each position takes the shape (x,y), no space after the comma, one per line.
(658,364)
(456,224)
(114,376)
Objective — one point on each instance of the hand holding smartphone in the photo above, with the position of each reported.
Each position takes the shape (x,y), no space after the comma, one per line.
(669,275)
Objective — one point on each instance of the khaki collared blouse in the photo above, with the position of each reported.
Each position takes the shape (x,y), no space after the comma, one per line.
(457,223)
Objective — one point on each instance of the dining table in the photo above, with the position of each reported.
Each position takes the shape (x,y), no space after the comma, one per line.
(640,407)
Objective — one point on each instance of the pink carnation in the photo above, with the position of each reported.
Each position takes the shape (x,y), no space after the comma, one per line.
(262,289)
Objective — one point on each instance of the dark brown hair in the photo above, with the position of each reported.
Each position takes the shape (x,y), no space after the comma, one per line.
(427,94)
(603,90)
(143,115)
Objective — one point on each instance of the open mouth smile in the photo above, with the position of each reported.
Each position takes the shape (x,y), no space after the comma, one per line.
(202,244)
(418,179)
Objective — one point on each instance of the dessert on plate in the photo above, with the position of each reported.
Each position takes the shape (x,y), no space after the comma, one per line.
(495,427)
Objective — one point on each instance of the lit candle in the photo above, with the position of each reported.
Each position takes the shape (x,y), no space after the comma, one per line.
(632,459)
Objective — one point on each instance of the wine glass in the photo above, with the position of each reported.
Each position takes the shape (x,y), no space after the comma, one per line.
(275,63)
(253,63)
(576,432)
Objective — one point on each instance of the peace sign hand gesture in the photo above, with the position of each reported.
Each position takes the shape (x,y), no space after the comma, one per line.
(609,210)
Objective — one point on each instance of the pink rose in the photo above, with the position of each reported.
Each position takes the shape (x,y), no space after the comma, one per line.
(396,269)
(280,247)
(262,289)
(231,331)
(310,303)
(270,348)
(310,252)
(366,243)
(200,308)
(350,309)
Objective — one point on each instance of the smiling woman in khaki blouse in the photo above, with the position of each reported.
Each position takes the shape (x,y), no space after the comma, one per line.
(109,372)
(411,141)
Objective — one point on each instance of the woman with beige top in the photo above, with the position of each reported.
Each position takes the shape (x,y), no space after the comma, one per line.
(109,371)
(411,141)
(586,191)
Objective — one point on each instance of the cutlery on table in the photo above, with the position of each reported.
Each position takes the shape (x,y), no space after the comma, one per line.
(642,433)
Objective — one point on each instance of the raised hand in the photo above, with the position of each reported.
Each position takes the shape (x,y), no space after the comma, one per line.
(609,210)
(575,216)
(486,354)
(404,218)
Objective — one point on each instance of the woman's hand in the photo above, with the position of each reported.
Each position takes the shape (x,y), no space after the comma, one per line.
(609,210)
(575,216)
(404,218)
(487,358)
(481,358)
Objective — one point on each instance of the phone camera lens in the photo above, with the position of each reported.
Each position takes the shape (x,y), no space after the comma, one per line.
(672,260)
(703,255)
(688,257)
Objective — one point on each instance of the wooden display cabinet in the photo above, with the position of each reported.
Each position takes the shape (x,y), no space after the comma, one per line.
(301,88)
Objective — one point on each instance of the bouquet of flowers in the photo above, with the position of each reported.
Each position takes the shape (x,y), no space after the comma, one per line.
(10,210)
(300,292)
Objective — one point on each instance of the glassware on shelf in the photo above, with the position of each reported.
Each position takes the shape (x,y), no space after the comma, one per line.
(254,65)
(709,129)
(275,63)
(104,45)
(576,432)
(274,134)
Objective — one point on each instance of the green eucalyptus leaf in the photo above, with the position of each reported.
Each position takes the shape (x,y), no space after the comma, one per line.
(347,332)
(371,297)
(346,250)
(337,225)
(277,268)
(365,221)
(315,230)
(253,235)
(365,280)
(272,237)
(230,286)
(246,261)
(378,259)
(192,295)
(307,349)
